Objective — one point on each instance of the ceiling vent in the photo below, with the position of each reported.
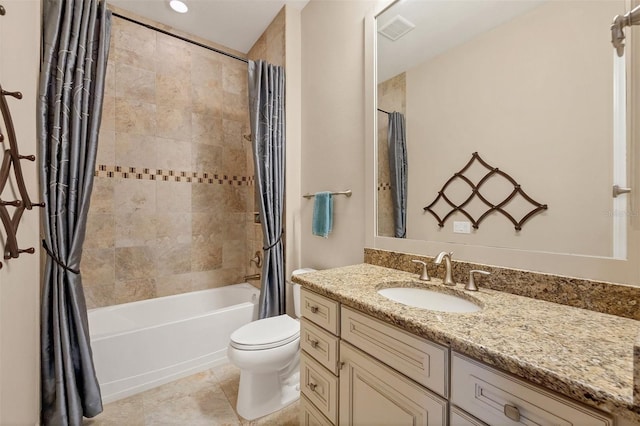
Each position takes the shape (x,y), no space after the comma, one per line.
(396,28)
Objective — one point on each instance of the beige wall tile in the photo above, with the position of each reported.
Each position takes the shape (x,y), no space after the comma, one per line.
(173,122)
(173,228)
(172,90)
(106,147)
(169,105)
(134,263)
(168,285)
(135,196)
(100,231)
(134,290)
(135,117)
(206,129)
(207,227)
(133,150)
(173,197)
(179,54)
(206,158)
(135,229)
(135,84)
(206,197)
(173,258)
(102,196)
(97,266)
(205,256)
(133,37)
(173,154)
(134,59)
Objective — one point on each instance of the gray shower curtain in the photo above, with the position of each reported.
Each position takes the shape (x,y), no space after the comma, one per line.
(75,49)
(397,144)
(266,109)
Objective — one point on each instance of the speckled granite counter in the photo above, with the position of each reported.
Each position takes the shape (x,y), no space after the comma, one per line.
(585,355)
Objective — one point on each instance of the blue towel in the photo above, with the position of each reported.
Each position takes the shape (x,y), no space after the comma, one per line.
(322,214)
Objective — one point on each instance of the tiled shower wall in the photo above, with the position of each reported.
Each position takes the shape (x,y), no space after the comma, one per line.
(174,189)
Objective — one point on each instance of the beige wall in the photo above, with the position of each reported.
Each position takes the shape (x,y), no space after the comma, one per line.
(20,278)
(534,98)
(333,127)
(173,192)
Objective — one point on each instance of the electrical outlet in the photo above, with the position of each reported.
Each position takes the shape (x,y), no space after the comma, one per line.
(462,227)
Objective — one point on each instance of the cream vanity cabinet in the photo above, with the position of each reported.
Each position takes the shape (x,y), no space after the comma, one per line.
(358,370)
(342,383)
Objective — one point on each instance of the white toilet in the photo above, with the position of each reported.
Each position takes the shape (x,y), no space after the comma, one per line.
(267,352)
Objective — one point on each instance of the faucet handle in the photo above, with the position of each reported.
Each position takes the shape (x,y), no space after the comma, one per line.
(425,274)
(471,285)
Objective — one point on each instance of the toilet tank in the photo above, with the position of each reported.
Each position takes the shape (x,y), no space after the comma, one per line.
(296,289)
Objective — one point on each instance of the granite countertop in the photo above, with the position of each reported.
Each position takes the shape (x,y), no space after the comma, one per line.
(585,355)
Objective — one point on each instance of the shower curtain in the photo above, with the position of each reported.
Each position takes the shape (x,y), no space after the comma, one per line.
(266,110)
(398,167)
(75,48)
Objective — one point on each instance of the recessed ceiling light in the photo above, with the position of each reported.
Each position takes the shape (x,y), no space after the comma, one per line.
(178,6)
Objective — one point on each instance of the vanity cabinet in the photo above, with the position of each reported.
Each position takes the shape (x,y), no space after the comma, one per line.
(359,370)
(495,397)
(319,359)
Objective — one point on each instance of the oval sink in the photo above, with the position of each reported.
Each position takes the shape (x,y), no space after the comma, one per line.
(429,299)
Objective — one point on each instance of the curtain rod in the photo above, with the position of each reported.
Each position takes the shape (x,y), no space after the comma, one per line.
(381,110)
(151,27)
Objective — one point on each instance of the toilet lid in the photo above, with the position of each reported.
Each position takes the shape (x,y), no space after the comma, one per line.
(266,333)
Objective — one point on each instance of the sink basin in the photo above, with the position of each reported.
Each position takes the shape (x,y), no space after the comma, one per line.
(429,299)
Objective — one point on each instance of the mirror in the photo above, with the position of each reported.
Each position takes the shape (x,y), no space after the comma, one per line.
(535,89)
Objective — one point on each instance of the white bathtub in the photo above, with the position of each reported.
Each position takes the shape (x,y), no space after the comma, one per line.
(140,345)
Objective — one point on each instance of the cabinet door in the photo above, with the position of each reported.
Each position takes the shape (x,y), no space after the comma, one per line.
(373,394)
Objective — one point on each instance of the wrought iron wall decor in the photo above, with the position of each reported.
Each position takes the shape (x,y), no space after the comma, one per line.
(11,161)
(475,192)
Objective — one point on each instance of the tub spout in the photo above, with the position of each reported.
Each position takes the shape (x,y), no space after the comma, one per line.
(252,277)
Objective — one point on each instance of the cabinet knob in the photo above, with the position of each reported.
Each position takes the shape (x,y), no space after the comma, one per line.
(313,387)
(314,343)
(512,412)
(313,309)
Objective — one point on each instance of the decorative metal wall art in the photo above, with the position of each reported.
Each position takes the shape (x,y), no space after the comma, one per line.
(475,193)
(11,161)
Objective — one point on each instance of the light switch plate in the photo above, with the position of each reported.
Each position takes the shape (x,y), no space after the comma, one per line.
(463,227)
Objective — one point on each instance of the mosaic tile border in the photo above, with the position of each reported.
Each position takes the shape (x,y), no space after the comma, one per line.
(146,173)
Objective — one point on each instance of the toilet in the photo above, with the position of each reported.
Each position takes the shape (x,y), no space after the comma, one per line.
(267,352)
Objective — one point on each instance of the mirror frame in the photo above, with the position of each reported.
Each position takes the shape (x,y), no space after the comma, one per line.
(579,266)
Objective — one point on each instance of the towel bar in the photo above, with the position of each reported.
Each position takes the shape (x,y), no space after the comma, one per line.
(347,193)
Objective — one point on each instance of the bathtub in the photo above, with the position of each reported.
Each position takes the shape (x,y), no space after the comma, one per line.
(140,345)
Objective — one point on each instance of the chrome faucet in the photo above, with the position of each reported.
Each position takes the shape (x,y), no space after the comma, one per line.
(448,278)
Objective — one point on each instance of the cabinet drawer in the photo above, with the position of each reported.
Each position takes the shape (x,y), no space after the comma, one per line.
(321,310)
(310,415)
(425,362)
(460,418)
(321,345)
(373,394)
(496,397)
(319,386)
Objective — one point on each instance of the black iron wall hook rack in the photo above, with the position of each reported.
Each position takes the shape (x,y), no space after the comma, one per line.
(11,161)
(475,192)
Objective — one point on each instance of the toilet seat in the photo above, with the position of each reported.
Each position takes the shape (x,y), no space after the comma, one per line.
(266,333)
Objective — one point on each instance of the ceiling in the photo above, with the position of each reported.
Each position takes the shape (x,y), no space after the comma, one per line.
(236,24)
(440,25)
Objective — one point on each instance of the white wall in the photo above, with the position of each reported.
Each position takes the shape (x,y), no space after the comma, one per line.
(333,138)
(20,278)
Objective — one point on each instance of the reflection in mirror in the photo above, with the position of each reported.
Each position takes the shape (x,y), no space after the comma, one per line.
(531,87)
(397,152)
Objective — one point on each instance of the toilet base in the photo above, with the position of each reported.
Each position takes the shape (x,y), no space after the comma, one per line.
(260,394)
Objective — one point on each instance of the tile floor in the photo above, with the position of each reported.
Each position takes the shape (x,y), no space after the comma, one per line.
(207,398)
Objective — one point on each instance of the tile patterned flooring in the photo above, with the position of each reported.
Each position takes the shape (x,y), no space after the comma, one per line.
(206,398)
